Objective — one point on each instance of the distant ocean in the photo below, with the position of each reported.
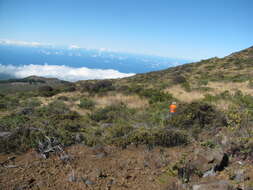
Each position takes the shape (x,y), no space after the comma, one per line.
(76,63)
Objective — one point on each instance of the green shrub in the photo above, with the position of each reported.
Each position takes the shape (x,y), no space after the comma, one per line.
(211,98)
(186,86)
(98,86)
(111,113)
(57,111)
(93,136)
(250,85)
(46,91)
(178,79)
(240,78)
(203,82)
(197,114)
(155,96)
(159,137)
(2,95)
(13,121)
(63,98)
(32,103)
(3,106)
(9,102)
(119,129)
(20,140)
(209,144)
(245,101)
(70,88)
(86,103)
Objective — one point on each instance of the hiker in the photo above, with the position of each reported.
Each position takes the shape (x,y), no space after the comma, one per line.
(173,108)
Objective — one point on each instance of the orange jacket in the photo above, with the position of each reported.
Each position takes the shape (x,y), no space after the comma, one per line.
(173,108)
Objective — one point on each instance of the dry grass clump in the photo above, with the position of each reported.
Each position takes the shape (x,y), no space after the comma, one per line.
(216,88)
(3,113)
(48,100)
(72,102)
(219,87)
(178,92)
(223,104)
(132,101)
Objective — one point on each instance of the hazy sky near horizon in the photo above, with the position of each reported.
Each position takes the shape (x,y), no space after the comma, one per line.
(192,29)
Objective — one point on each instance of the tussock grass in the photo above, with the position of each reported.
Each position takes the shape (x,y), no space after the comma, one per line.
(232,87)
(132,101)
(184,96)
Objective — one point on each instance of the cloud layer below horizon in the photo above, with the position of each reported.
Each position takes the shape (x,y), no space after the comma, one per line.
(61,72)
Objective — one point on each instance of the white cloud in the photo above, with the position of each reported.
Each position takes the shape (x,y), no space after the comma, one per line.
(35,44)
(20,43)
(104,49)
(61,72)
(74,47)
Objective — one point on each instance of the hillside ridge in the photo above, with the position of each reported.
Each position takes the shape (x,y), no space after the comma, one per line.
(120,134)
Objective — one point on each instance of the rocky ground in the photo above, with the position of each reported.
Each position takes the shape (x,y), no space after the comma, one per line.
(190,167)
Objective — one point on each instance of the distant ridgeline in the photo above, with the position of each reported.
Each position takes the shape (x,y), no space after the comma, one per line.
(31,83)
(25,80)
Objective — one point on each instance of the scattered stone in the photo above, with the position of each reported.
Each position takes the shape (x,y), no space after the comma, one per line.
(204,159)
(146,164)
(65,158)
(95,173)
(219,185)
(19,188)
(79,138)
(209,173)
(106,125)
(72,177)
(11,166)
(111,182)
(5,134)
(101,155)
(88,182)
(239,175)
(10,159)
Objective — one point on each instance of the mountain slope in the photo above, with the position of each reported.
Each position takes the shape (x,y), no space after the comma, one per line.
(202,77)
(126,137)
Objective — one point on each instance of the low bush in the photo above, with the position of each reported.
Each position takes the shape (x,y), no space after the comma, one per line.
(203,82)
(159,137)
(70,88)
(199,115)
(46,91)
(63,98)
(155,96)
(211,98)
(31,103)
(178,79)
(111,113)
(20,140)
(3,106)
(186,86)
(209,144)
(86,103)
(98,86)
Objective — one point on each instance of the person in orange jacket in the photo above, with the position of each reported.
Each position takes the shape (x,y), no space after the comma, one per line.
(173,108)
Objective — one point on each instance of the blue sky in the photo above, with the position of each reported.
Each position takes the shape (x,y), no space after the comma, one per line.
(191,29)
